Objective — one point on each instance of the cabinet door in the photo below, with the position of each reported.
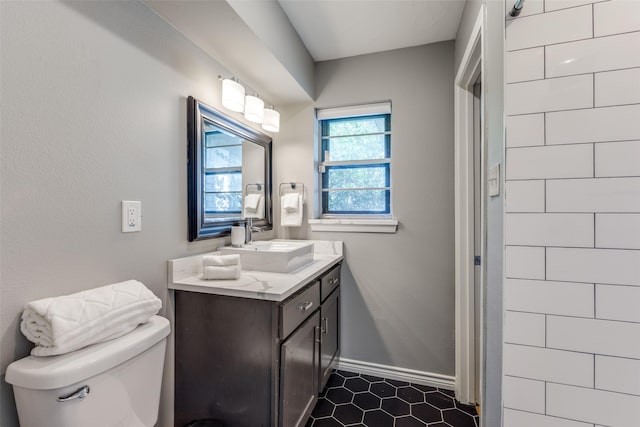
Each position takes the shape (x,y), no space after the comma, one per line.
(299,373)
(329,341)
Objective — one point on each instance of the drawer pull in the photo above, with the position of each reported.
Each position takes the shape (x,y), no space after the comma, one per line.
(325,325)
(333,281)
(317,334)
(305,306)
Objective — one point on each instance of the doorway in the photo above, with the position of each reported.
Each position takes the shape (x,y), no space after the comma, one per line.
(470,220)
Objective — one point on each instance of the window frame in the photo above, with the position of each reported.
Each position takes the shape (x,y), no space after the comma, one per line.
(351,114)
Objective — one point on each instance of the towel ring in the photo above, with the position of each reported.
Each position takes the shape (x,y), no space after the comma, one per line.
(292,186)
(257,186)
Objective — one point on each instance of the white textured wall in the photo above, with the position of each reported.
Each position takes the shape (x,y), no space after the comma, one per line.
(397,293)
(93,112)
(572,227)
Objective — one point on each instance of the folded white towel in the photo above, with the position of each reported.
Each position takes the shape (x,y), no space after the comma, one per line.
(290,202)
(258,212)
(291,219)
(63,324)
(220,260)
(251,201)
(227,272)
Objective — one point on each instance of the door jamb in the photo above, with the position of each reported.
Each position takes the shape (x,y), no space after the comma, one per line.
(468,70)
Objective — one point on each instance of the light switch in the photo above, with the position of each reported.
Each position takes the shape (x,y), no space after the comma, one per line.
(494,180)
(131,216)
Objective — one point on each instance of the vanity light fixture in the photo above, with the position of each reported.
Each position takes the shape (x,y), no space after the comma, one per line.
(234,98)
(271,121)
(253,108)
(233,95)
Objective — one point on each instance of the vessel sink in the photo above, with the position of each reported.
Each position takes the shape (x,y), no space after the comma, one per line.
(273,256)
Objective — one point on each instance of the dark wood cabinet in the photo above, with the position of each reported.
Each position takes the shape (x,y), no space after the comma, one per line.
(254,363)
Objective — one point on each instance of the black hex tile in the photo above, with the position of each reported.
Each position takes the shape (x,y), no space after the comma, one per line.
(458,418)
(339,395)
(335,381)
(469,409)
(382,389)
(424,388)
(356,384)
(395,406)
(346,374)
(323,408)
(378,418)
(448,392)
(371,378)
(439,400)
(426,412)
(326,422)
(410,394)
(379,402)
(348,414)
(409,421)
(366,400)
(397,383)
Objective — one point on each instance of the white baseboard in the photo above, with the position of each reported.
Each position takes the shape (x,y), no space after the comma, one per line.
(395,373)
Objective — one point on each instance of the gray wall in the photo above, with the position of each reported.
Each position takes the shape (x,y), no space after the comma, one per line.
(93,112)
(491,413)
(398,289)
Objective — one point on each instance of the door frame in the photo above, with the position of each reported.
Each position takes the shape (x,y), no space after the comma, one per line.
(471,65)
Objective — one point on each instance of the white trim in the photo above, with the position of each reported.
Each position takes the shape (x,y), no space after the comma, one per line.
(354,225)
(354,111)
(464,205)
(395,373)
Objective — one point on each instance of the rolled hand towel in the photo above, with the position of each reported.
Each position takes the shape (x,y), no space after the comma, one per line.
(63,324)
(227,272)
(220,260)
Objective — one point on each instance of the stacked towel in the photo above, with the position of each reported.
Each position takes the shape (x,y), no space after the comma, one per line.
(63,324)
(221,267)
(291,210)
(254,206)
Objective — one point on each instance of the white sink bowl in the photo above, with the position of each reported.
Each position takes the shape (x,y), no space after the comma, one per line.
(273,256)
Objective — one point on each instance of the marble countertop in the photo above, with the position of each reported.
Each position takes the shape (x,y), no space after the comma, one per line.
(185,274)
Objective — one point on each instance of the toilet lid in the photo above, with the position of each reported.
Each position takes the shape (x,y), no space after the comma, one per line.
(51,372)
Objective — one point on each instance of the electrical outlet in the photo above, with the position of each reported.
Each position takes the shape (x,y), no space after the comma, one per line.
(131,216)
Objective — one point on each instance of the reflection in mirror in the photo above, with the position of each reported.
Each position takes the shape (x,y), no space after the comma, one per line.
(229,173)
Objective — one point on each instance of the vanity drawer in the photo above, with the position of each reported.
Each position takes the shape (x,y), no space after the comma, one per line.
(329,282)
(294,311)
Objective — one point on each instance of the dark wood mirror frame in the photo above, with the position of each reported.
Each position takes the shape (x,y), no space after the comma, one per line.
(198,228)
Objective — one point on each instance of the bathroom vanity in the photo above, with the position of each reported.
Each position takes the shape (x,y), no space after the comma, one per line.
(255,351)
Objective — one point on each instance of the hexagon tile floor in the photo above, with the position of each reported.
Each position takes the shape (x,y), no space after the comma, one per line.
(362,400)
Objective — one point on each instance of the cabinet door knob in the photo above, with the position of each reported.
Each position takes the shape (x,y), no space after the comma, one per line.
(305,306)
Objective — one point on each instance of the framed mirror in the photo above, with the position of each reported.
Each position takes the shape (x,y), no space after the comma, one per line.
(228,172)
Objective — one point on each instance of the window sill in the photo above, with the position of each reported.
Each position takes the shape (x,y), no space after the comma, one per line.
(355,225)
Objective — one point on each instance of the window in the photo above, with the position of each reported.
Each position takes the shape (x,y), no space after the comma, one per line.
(222,173)
(356,160)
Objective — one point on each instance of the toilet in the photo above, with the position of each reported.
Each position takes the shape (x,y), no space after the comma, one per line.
(114,383)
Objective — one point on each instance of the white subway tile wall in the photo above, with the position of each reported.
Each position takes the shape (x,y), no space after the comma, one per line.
(572,222)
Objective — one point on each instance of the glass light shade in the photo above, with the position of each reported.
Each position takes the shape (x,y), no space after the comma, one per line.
(271,120)
(232,95)
(253,109)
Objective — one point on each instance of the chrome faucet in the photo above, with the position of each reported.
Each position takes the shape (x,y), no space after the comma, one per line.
(248,229)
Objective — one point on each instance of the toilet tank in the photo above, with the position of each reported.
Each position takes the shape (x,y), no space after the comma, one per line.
(124,376)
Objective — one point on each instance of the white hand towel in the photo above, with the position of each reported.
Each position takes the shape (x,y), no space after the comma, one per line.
(227,272)
(290,202)
(63,324)
(251,201)
(220,260)
(291,219)
(258,212)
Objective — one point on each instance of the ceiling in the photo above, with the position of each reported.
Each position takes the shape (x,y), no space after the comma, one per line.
(334,29)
